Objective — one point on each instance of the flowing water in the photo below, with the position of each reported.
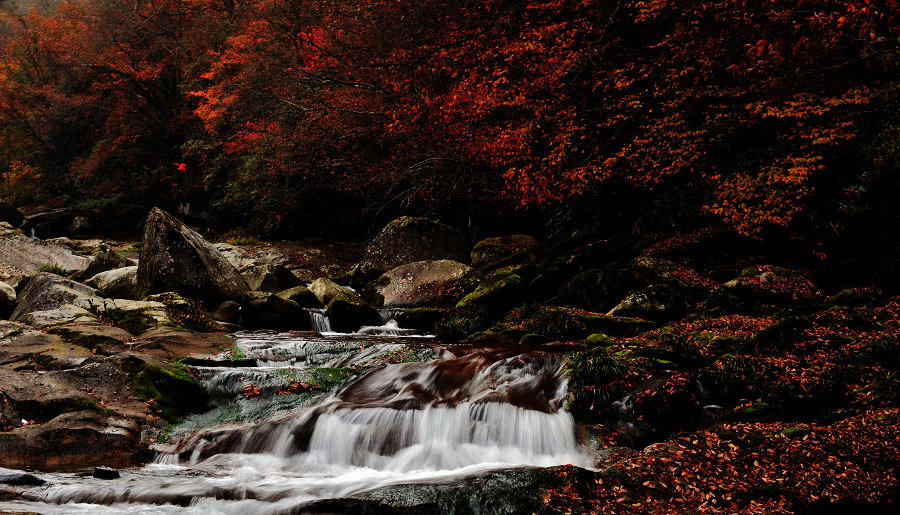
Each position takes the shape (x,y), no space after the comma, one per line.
(372,411)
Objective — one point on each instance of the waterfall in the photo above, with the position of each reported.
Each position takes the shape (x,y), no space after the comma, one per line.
(464,414)
(319,320)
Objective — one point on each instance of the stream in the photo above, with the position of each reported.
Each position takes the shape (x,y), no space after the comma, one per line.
(307,417)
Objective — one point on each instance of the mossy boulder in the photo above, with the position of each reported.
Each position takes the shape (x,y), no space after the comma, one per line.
(514,249)
(173,392)
(598,340)
(409,239)
(348,317)
(175,258)
(500,290)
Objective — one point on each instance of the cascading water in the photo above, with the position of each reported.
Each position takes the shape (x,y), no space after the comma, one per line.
(467,412)
(319,320)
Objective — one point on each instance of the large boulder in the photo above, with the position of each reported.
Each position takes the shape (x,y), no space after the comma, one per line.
(176,258)
(348,317)
(327,290)
(11,215)
(408,239)
(120,283)
(423,283)
(269,278)
(102,262)
(22,256)
(47,292)
(513,249)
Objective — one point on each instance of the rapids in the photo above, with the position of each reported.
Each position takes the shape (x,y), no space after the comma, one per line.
(402,411)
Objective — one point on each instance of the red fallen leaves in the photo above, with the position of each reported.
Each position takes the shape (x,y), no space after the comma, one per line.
(750,468)
(250,391)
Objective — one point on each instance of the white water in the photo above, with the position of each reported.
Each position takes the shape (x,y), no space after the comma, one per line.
(419,423)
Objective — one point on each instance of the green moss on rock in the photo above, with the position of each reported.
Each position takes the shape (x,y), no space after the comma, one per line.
(174,392)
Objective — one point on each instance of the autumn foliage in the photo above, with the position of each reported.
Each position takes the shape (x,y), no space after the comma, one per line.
(768,113)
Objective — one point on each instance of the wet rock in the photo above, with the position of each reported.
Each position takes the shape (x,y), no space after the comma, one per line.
(74,440)
(408,239)
(102,262)
(176,258)
(327,290)
(514,249)
(23,255)
(269,278)
(11,215)
(47,291)
(274,312)
(659,303)
(106,473)
(423,283)
(348,317)
(302,296)
(20,479)
(120,283)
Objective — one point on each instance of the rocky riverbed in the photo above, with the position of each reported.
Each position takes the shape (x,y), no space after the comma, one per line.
(678,374)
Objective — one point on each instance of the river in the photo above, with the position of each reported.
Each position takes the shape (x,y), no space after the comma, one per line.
(330,416)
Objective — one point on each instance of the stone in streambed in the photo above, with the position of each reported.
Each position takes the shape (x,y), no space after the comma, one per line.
(274,312)
(348,317)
